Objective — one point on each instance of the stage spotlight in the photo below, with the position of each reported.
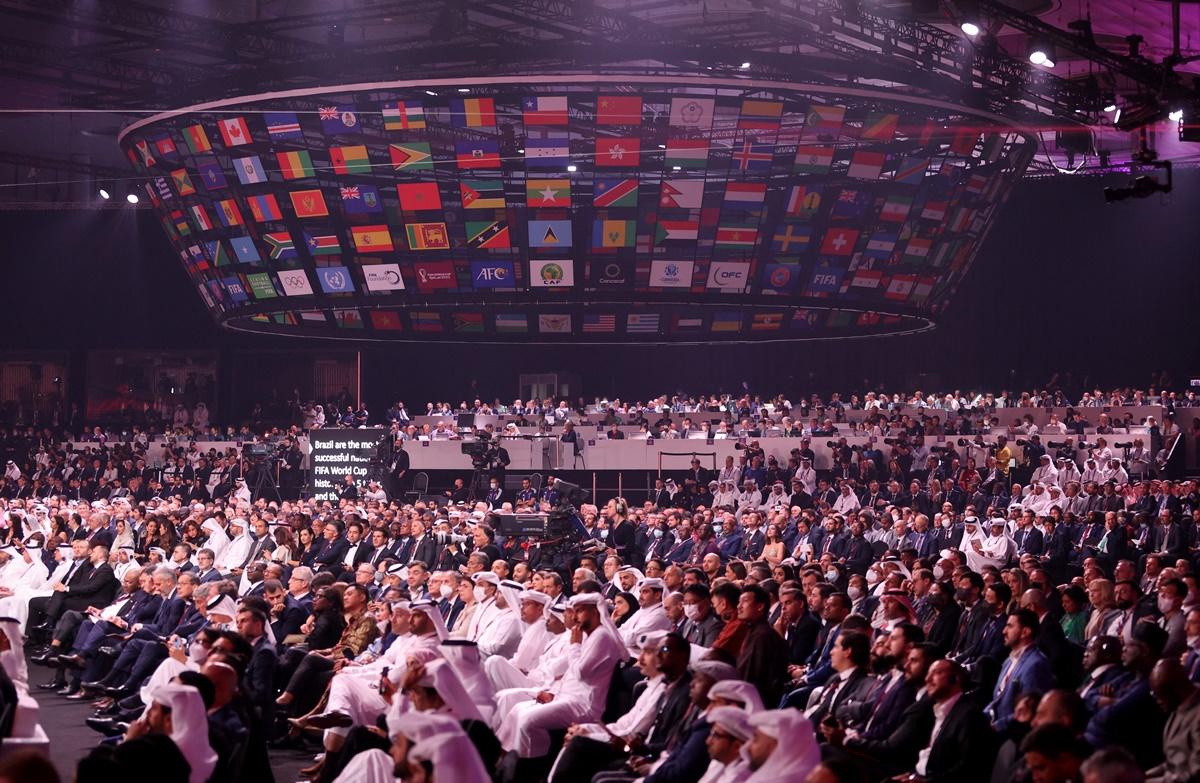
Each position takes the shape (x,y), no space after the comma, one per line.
(745,66)
(132,198)
(1175,116)
(970,29)
(1110,107)
(464,89)
(572,167)
(1041,54)
(431,92)
(104,194)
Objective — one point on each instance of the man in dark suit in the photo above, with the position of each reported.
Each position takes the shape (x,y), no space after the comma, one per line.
(858,550)
(333,551)
(800,628)
(844,698)
(357,552)
(287,614)
(205,572)
(1028,537)
(763,659)
(89,582)
(425,548)
(258,681)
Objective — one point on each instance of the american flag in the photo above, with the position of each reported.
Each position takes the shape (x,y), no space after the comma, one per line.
(599,323)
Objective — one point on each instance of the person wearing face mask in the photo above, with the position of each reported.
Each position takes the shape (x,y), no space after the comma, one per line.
(1172,620)
(495,495)
(701,625)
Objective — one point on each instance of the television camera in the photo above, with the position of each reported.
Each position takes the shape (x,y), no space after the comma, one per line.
(560,534)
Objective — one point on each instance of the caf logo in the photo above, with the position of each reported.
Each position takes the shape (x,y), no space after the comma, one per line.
(552,274)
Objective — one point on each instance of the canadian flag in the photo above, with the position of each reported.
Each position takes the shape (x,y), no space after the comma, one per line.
(234,132)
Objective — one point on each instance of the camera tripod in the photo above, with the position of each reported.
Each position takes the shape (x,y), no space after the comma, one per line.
(263,485)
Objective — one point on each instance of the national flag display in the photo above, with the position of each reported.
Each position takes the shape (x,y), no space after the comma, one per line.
(613,153)
(545,110)
(234,131)
(686,154)
(360,199)
(473,112)
(552,152)
(309,203)
(294,165)
(264,207)
(760,115)
(619,110)
(694,113)
(419,196)
(372,239)
(609,234)
(488,235)
(338,120)
(813,160)
(427,236)
(403,115)
(414,156)
(283,126)
(550,233)
(351,159)
(599,323)
(322,244)
(249,170)
(482,193)
(615,193)
(547,192)
(197,139)
(681,193)
(804,201)
(482,154)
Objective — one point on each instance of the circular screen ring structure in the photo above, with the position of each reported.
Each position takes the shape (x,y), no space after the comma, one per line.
(608,208)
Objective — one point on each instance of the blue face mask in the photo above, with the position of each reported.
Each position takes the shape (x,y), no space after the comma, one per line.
(658,532)
(604,533)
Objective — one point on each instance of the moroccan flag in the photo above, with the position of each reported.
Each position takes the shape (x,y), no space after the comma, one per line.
(618,152)
(483,193)
(482,154)
(488,235)
(547,192)
(309,203)
(403,115)
(615,193)
(197,139)
(350,160)
(295,165)
(608,234)
(427,236)
(417,196)
(234,132)
(760,115)
(619,110)
(473,112)
(264,207)
(372,239)
(413,156)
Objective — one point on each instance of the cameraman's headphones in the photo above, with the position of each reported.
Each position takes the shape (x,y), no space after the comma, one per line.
(621,506)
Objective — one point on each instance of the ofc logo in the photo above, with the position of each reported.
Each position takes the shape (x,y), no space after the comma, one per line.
(727,275)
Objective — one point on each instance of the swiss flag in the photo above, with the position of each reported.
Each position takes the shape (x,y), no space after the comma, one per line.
(235,132)
(839,242)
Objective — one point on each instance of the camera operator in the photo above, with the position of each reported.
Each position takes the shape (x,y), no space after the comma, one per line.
(398,466)
(291,477)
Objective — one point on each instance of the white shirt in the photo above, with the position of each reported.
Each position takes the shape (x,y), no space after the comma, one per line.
(846,503)
(940,711)
(648,619)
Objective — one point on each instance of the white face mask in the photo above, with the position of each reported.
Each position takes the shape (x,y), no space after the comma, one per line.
(938,572)
(1193,642)
(445,591)
(1165,604)
(604,533)
(831,576)
(854,591)
(658,532)
(197,653)
(872,578)
(480,593)
(691,612)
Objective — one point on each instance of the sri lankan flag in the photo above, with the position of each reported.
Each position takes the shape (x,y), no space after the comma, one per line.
(427,236)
